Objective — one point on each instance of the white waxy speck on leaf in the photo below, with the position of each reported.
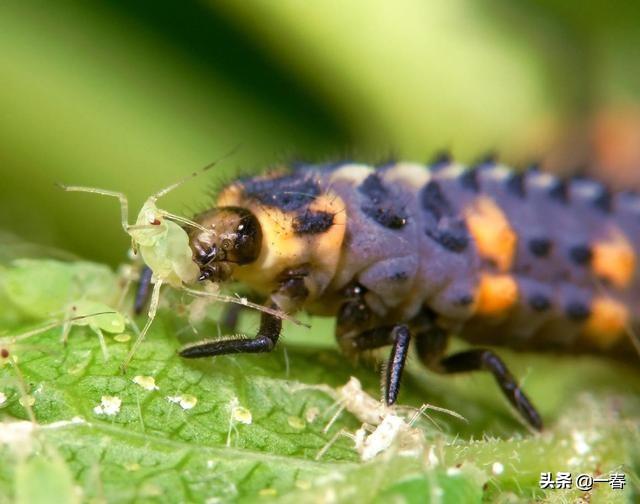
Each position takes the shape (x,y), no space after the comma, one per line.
(186,401)
(109,405)
(242,415)
(497,468)
(579,443)
(146,382)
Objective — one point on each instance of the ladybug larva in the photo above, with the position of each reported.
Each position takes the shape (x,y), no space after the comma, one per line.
(406,253)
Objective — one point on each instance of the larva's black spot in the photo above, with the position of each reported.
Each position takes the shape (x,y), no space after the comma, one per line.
(469,179)
(288,193)
(539,302)
(533,168)
(382,206)
(434,201)
(603,200)
(373,189)
(540,247)
(386,216)
(441,159)
(559,191)
(400,276)
(581,254)
(515,184)
(312,222)
(454,237)
(488,159)
(464,300)
(578,311)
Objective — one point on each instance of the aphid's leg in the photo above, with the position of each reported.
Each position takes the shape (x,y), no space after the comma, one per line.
(143,290)
(103,343)
(66,328)
(153,308)
(431,344)
(482,359)
(124,203)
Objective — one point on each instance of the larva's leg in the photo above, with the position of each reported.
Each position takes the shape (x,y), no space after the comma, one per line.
(265,341)
(143,291)
(482,359)
(399,337)
(353,316)
(290,294)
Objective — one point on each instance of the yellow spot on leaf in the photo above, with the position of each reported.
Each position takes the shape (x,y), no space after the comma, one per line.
(122,338)
(27,401)
(493,236)
(296,422)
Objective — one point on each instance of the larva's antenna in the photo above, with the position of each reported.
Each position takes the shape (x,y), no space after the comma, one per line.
(180,182)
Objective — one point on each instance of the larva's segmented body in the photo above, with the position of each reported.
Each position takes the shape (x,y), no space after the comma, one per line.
(406,252)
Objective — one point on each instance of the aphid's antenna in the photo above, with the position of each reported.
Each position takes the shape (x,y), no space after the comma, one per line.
(21,383)
(331,442)
(422,411)
(124,203)
(244,302)
(183,220)
(50,325)
(177,184)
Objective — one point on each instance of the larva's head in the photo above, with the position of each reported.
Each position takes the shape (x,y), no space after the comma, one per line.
(233,237)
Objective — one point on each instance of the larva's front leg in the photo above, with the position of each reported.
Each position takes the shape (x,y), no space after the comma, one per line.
(264,341)
(291,292)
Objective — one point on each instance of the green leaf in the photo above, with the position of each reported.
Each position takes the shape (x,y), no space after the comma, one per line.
(244,428)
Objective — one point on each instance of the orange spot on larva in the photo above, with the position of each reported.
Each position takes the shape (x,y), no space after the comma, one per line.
(496,294)
(614,260)
(493,236)
(607,322)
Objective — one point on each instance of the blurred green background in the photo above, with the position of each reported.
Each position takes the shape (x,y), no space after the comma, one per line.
(133,95)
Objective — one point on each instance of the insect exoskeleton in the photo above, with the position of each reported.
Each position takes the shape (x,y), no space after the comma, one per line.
(160,238)
(407,253)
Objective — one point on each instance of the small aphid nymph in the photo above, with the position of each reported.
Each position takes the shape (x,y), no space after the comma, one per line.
(178,259)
